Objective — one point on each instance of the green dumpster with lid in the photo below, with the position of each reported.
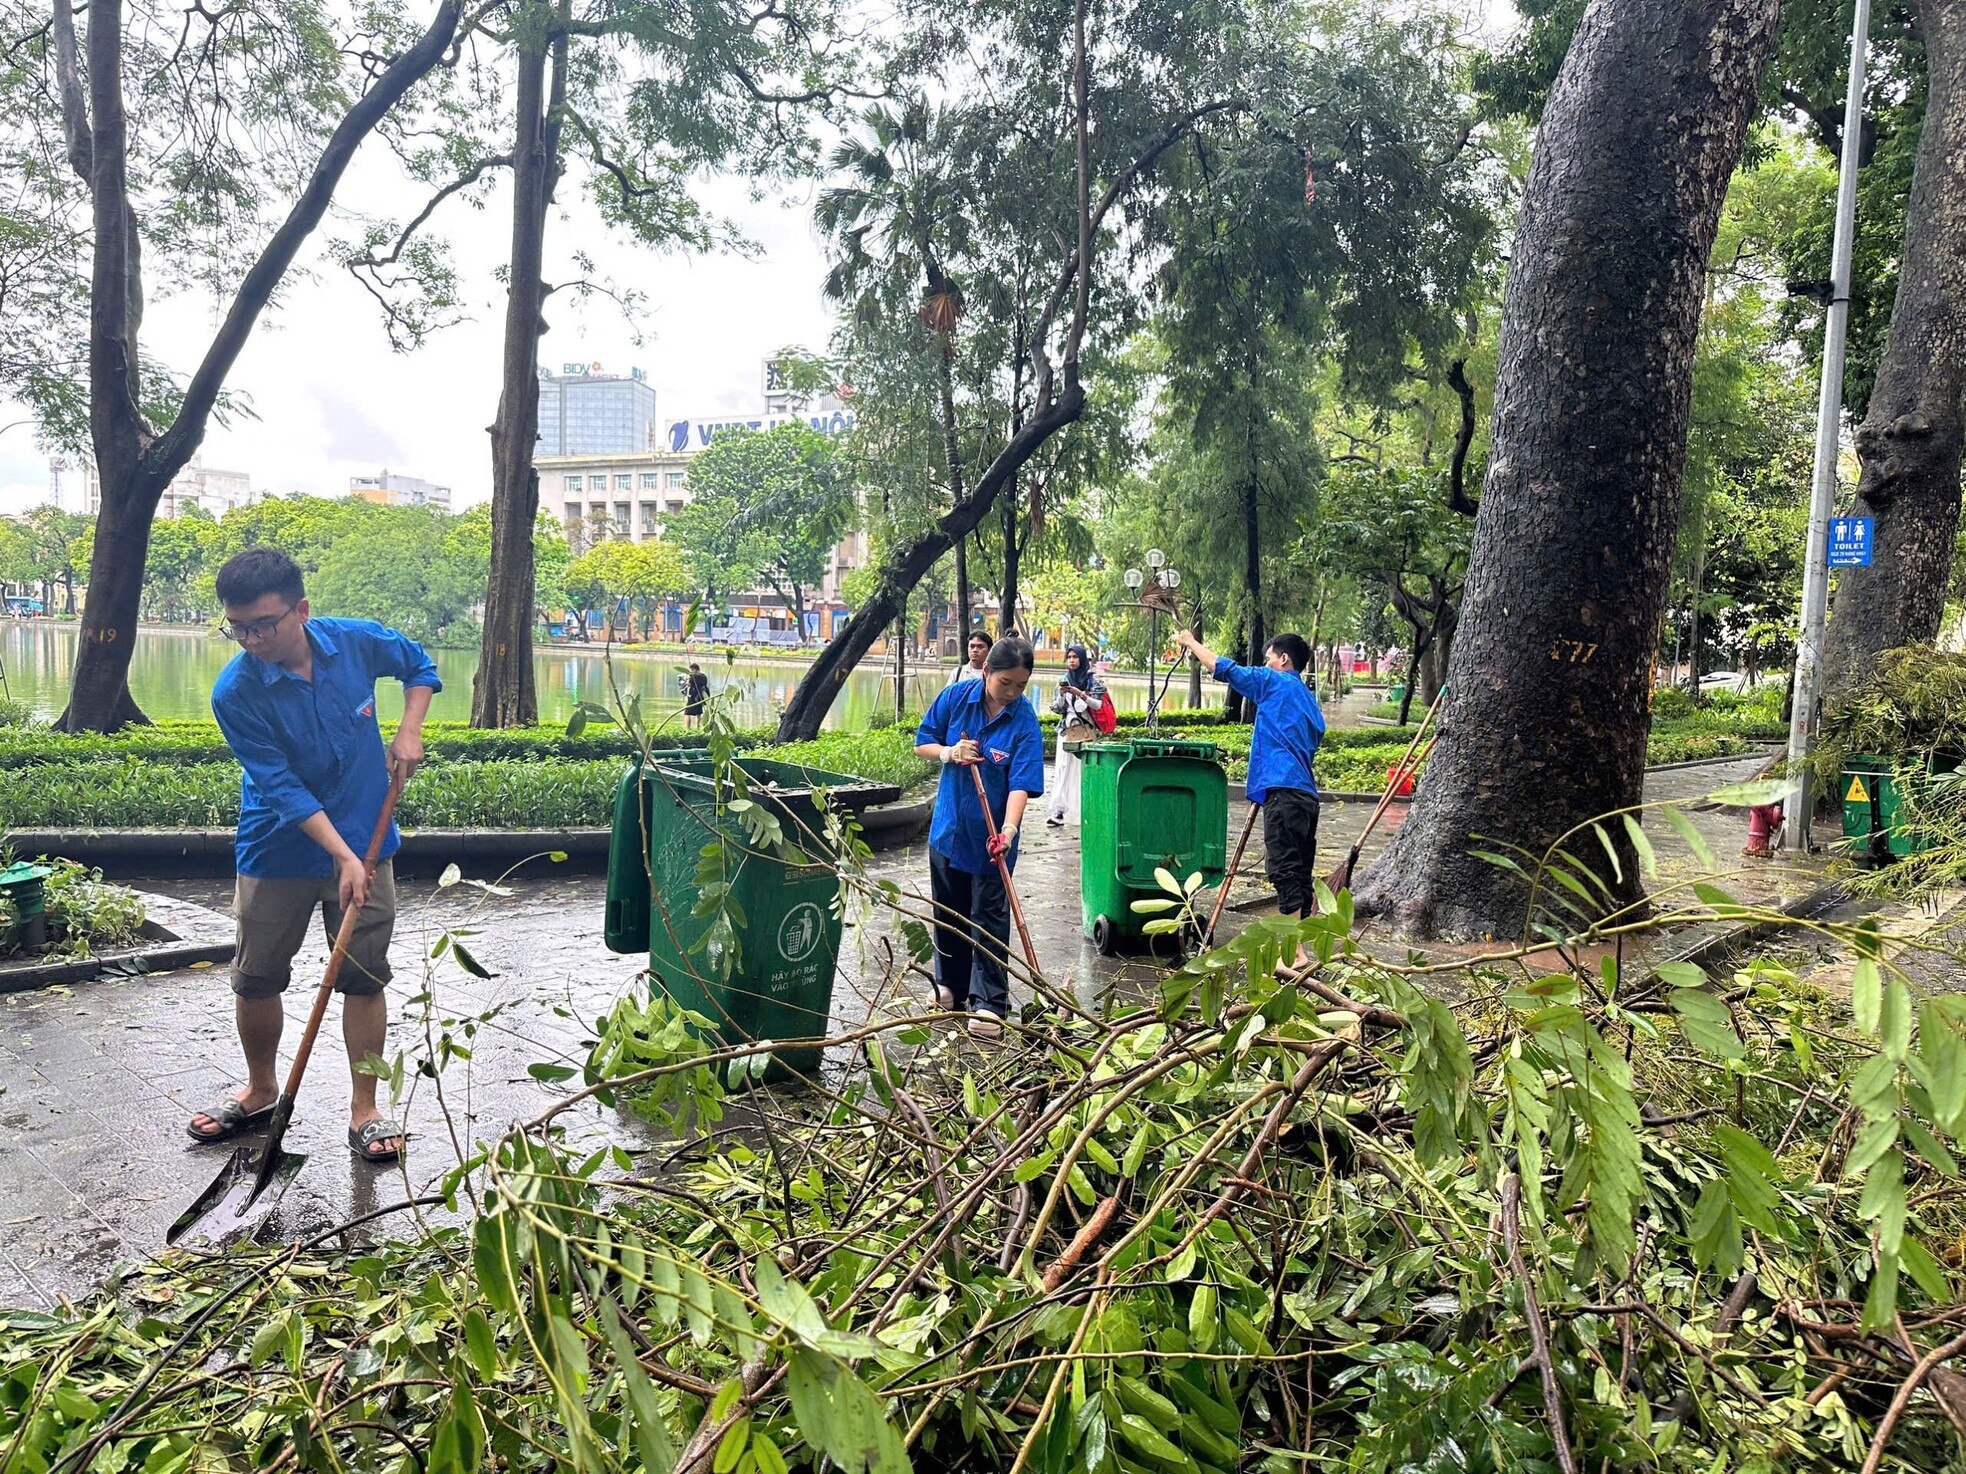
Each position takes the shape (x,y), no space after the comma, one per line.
(782,907)
(1146,804)
(1874,823)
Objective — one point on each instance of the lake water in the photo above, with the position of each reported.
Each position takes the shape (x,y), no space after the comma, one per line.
(173,670)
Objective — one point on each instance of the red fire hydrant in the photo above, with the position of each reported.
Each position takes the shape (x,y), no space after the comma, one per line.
(1764,823)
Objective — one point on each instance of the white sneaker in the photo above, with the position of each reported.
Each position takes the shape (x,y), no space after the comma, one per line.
(985,1027)
(945,999)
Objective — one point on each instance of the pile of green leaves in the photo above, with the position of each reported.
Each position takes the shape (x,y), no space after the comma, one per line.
(1912,709)
(1593,1218)
(86,915)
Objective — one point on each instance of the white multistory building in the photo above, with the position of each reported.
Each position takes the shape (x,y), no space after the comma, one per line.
(631,495)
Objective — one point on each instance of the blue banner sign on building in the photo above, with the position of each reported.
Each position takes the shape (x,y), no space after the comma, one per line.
(695,434)
(1851,541)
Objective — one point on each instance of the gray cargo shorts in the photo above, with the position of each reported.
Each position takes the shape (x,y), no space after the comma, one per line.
(272,914)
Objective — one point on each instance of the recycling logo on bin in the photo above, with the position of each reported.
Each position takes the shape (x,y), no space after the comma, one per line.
(800,931)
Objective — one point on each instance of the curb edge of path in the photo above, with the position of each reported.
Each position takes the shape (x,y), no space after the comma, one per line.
(185,933)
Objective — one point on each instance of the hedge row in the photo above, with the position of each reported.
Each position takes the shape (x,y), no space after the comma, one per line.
(523,792)
(184,741)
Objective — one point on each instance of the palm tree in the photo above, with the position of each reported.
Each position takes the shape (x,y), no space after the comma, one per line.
(898,216)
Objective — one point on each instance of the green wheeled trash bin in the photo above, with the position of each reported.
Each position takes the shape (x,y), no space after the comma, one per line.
(1147,803)
(783,908)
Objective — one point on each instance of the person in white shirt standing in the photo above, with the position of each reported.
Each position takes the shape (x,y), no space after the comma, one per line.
(979,651)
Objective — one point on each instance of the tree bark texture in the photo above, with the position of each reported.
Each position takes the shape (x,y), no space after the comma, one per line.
(1914,430)
(1007,596)
(1545,720)
(1252,579)
(503,692)
(134,461)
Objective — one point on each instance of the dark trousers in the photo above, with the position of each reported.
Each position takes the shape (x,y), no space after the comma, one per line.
(1290,847)
(970,955)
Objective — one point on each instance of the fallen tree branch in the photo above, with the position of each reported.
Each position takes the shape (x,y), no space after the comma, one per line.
(1539,1334)
(1094,1230)
(1910,1385)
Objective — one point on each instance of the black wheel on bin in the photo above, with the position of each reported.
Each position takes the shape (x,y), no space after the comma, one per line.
(1102,936)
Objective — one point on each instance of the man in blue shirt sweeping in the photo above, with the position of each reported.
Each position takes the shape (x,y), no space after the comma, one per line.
(1289,727)
(297,707)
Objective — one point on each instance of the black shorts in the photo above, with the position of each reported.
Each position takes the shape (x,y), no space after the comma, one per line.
(1290,847)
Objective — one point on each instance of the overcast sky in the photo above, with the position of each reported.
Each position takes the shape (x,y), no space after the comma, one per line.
(332,399)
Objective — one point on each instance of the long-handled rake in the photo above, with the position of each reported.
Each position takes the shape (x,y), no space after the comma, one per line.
(1235,864)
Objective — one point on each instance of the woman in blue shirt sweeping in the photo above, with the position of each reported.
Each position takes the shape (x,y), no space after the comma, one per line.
(986,724)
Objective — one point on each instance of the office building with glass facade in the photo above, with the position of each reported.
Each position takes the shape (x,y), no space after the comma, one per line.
(585,411)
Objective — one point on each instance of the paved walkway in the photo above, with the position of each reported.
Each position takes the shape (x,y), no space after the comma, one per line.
(97,1080)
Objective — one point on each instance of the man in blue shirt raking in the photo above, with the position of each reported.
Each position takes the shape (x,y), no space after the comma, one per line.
(297,707)
(1289,727)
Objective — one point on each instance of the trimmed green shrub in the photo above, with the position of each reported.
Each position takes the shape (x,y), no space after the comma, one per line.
(886,756)
(1671,703)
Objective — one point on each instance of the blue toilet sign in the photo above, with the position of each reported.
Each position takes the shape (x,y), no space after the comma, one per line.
(1851,541)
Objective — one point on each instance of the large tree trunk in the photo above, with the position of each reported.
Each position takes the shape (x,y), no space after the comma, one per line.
(1252,585)
(1007,510)
(1545,721)
(1915,428)
(133,460)
(503,693)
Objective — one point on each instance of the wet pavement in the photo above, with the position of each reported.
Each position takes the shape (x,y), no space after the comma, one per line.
(98,1079)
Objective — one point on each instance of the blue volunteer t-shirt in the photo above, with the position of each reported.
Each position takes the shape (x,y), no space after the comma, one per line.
(1289,726)
(313,746)
(1013,758)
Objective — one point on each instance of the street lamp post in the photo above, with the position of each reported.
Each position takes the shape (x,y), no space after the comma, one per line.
(1163,577)
(1822,490)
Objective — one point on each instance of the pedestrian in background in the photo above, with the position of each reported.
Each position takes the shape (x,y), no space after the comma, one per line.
(696,694)
(972,667)
(985,725)
(1080,695)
